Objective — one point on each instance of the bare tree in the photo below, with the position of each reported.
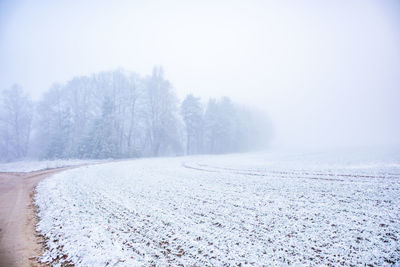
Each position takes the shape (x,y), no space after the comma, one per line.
(163,122)
(15,123)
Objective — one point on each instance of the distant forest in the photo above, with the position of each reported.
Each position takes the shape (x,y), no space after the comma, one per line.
(121,114)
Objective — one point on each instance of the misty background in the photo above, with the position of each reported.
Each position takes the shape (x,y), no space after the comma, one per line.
(326,73)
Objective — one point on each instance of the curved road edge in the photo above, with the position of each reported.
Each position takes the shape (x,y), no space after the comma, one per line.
(20,244)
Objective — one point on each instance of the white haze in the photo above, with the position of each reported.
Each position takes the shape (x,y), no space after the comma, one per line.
(326,72)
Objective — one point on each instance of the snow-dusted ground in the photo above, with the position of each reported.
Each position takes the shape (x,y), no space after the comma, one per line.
(249,209)
(30,166)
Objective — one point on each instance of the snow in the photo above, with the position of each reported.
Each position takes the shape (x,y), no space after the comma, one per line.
(30,166)
(249,209)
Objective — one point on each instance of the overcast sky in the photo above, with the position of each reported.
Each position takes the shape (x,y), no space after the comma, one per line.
(327,72)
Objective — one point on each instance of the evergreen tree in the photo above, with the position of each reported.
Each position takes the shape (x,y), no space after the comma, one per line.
(192,113)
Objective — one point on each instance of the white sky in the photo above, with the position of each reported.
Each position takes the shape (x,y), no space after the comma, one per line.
(327,72)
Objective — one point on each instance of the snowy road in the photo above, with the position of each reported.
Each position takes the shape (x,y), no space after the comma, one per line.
(19,244)
(32,166)
(250,209)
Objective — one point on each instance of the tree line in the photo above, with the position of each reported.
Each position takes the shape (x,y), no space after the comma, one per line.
(120,114)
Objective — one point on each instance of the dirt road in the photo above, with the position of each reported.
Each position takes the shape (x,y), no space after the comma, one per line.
(19,244)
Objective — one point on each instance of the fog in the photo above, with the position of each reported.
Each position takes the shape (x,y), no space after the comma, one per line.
(327,73)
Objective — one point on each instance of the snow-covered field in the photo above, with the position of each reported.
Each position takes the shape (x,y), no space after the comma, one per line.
(30,166)
(256,209)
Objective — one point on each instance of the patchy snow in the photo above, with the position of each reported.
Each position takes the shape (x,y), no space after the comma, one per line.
(30,166)
(248,209)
